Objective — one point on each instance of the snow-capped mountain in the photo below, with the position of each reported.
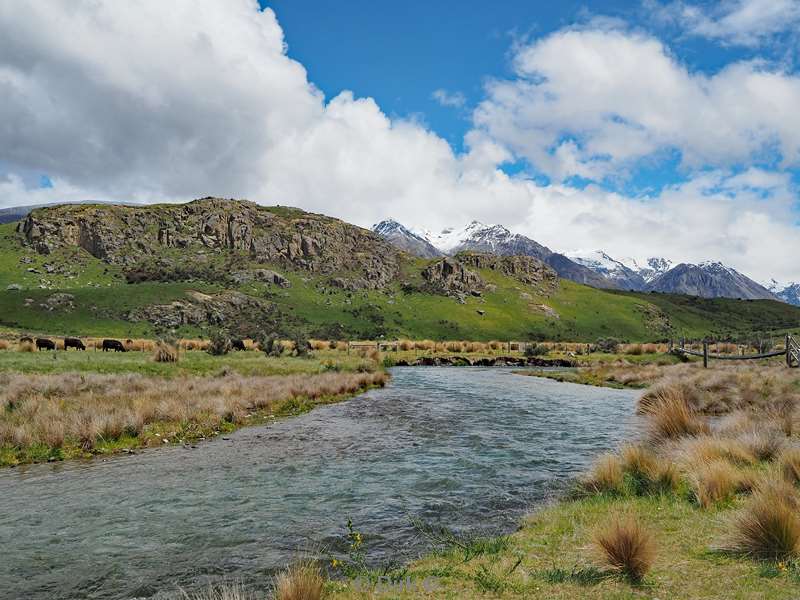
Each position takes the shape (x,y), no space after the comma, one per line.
(788,292)
(709,280)
(493,239)
(405,239)
(652,267)
(625,276)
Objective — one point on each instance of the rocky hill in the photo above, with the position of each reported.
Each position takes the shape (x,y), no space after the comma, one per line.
(215,238)
(136,271)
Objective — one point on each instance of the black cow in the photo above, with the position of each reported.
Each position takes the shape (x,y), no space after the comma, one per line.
(114,345)
(73,343)
(45,344)
(238,345)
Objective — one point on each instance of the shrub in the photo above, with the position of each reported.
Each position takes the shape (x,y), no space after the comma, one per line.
(301,346)
(271,346)
(406,345)
(26,347)
(609,345)
(303,581)
(789,464)
(634,350)
(165,352)
(768,527)
(535,349)
(219,343)
(626,547)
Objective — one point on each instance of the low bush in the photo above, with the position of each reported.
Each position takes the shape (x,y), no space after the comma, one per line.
(714,481)
(670,416)
(605,476)
(789,464)
(165,352)
(219,343)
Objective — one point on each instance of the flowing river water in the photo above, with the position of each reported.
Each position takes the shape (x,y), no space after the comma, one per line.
(468,448)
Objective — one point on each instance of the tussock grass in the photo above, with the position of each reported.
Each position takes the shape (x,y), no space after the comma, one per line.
(88,411)
(224,591)
(789,464)
(605,476)
(303,581)
(626,547)
(714,481)
(671,416)
(768,526)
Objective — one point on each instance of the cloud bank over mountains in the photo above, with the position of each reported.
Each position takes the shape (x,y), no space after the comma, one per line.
(155,101)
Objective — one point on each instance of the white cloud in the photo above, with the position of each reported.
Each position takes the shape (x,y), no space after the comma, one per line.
(594,103)
(448,99)
(175,100)
(739,22)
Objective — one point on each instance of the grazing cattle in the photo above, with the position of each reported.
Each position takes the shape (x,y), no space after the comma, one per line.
(45,344)
(73,343)
(238,345)
(114,345)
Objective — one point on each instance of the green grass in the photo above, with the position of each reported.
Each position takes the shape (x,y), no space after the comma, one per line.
(512,311)
(549,558)
(191,363)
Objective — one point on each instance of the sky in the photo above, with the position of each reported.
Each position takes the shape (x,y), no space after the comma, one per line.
(647,128)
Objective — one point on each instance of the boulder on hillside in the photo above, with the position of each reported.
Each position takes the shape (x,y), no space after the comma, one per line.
(451,277)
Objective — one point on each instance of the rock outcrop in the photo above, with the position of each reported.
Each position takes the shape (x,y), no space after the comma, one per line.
(525,269)
(182,233)
(451,277)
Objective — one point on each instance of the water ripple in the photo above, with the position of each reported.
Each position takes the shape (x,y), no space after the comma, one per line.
(464,448)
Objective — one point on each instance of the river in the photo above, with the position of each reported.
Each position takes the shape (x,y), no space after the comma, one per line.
(468,448)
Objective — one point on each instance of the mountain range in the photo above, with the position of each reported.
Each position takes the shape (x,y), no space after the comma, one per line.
(596,268)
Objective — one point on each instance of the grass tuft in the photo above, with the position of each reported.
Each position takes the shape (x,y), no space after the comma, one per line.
(302,581)
(671,416)
(627,547)
(768,527)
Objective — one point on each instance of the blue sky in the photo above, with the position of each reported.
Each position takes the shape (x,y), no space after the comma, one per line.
(648,128)
(401,53)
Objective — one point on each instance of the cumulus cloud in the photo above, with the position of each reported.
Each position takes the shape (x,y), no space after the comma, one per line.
(154,101)
(449,99)
(593,104)
(739,22)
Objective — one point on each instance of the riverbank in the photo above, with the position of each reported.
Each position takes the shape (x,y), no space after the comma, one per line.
(70,415)
(708,494)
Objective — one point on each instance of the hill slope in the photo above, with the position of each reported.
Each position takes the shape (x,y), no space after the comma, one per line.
(135,271)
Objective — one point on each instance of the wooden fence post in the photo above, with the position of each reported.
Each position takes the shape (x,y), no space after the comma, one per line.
(705,354)
(788,352)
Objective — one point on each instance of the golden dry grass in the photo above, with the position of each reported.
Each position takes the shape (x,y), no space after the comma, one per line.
(605,476)
(224,591)
(626,547)
(671,416)
(88,409)
(768,526)
(302,581)
(789,464)
(714,481)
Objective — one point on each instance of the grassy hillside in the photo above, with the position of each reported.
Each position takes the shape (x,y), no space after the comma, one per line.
(101,302)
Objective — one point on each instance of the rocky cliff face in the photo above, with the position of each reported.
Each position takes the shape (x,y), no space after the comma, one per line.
(131,236)
(458,276)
